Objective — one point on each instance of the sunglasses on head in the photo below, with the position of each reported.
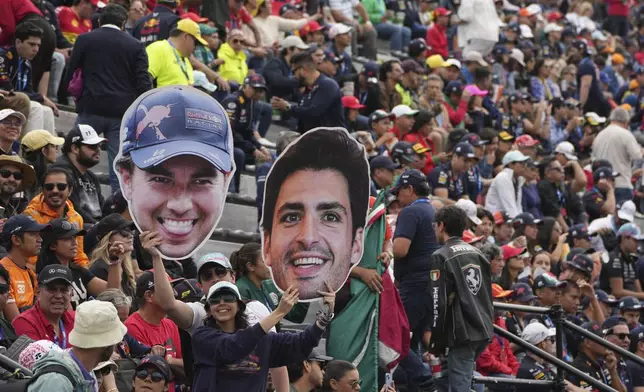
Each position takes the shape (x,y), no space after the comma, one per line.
(8,173)
(50,186)
(228,298)
(155,375)
(4,288)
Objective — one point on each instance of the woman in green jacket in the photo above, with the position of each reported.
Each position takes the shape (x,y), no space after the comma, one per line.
(380,17)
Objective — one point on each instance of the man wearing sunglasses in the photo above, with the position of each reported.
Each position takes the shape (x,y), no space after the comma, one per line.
(54,203)
(307,376)
(533,367)
(7,333)
(152,375)
(11,123)
(82,151)
(615,330)
(15,177)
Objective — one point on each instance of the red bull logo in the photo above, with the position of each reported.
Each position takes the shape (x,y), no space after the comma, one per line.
(153,119)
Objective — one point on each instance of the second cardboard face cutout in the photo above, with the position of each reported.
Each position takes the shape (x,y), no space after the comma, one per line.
(174,165)
(316,199)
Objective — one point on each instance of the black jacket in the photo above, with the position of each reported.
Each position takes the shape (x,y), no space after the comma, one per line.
(115,71)
(155,26)
(320,106)
(241,116)
(279,80)
(369,97)
(49,12)
(79,183)
(16,74)
(461,290)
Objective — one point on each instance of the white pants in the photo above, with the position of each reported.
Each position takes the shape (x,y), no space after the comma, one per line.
(40,117)
(483,46)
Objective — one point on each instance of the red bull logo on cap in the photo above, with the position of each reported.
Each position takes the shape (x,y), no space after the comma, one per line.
(153,119)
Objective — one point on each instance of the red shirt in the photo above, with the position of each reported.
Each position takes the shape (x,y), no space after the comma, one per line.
(414,138)
(618,7)
(12,12)
(436,39)
(236,21)
(71,25)
(34,324)
(165,334)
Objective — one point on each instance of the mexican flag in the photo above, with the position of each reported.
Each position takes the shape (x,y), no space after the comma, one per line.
(353,333)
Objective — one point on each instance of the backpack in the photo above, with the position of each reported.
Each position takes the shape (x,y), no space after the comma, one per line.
(22,385)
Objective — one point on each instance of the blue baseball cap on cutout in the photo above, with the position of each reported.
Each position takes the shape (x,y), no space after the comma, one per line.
(173,121)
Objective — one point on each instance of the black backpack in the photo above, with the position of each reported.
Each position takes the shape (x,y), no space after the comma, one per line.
(21,385)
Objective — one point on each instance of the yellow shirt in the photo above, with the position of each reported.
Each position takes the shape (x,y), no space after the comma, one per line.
(166,65)
(235,67)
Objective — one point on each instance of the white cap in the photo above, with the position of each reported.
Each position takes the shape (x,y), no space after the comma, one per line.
(109,363)
(533,9)
(594,118)
(214,258)
(88,135)
(200,80)
(470,209)
(598,35)
(96,325)
(526,31)
(550,27)
(452,63)
(627,211)
(535,333)
(514,156)
(4,113)
(567,149)
(476,57)
(223,286)
(338,29)
(518,55)
(293,41)
(403,110)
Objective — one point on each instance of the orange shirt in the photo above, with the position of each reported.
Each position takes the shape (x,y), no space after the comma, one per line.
(71,25)
(23,283)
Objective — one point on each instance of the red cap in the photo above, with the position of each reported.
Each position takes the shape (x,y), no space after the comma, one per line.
(351,102)
(510,252)
(98,3)
(194,17)
(469,237)
(441,11)
(555,16)
(498,292)
(501,217)
(526,141)
(310,27)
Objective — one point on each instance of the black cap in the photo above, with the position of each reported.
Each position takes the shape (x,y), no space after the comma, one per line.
(454,87)
(188,290)
(583,263)
(330,56)
(158,362)
(115,203)
(411,65)
(474,140)
(21,223)
(500,50)
(318,356)
(580,45)
(255,81)
(371,69)
(522,292)
(525,218)
(411,177)
(145,282)
(547,280)
(610,323)
(289,7)
(416,47)
(62,228)
(403,152)
(383,162)
(578,231)
(604,172)
(514,26)
(603,297)
(594,328)
(112,222)
(629,303)
(378,115)
(55,272)
(464,149)
(601,163)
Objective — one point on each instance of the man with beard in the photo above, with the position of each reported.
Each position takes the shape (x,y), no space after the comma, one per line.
(615,330)
(51,318)
(15,177)
(21,236)
(307,376)
(82,151)
(97,329)
(54,203)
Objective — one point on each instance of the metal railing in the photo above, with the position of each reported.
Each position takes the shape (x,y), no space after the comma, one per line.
(558,317)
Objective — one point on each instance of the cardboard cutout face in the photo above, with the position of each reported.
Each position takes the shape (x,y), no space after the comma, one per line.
(316,200)
(174,165)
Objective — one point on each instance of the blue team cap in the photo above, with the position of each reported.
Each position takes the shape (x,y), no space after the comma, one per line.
(177,120)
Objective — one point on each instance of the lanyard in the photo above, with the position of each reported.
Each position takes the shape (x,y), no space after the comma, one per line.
(63,334)
(363,97)
(182,65)
(421,200)
(22,79)
(86,375)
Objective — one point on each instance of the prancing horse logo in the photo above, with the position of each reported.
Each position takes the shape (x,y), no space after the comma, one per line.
(153,118)
(473,279)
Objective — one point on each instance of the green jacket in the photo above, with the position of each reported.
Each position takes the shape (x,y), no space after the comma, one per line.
(270,296)
(375,10)
(57,382)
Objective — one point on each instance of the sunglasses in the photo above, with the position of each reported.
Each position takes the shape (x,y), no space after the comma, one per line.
(14,124)
(50,186)
(621,336)
(228,298)
(218,271)
(355,384)
(155,375)
(4,288)
(8,173)
(102,372)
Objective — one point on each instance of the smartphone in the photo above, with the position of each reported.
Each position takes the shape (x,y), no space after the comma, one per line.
(389,380)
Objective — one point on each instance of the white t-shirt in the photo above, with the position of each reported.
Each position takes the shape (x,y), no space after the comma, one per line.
(255,311)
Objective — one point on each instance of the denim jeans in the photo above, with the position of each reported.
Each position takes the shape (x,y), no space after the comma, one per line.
(460,367)
(240,160)
(418,30)
(55,75)
(398,35)
(110,128)
(623,194)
